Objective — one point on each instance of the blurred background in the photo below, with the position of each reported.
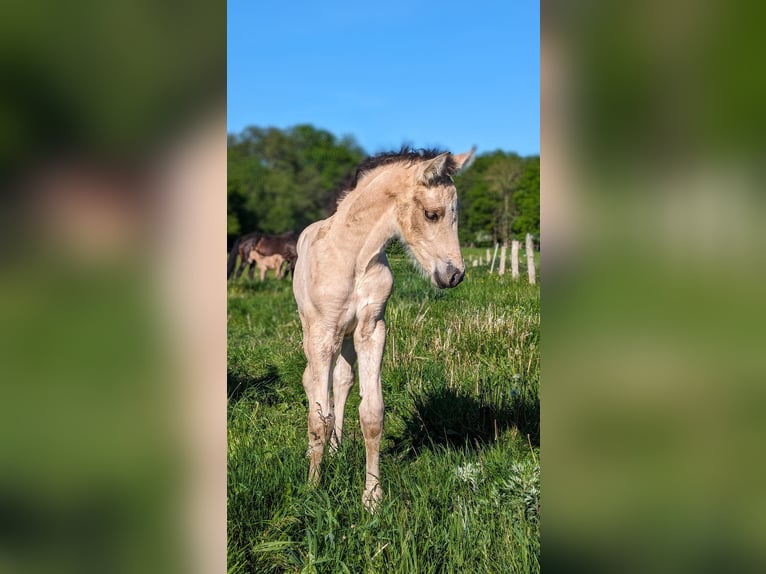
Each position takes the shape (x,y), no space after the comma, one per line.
(113,309)
(652,309)
(113,147)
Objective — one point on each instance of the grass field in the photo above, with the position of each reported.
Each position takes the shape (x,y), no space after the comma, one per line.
(460,455)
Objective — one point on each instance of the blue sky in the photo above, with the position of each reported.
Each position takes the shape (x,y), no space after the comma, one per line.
(430,74)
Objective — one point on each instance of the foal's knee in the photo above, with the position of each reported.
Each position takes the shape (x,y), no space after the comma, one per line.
(321,422)
(371,420)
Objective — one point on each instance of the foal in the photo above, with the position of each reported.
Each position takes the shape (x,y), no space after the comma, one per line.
(342,282)
(266,262)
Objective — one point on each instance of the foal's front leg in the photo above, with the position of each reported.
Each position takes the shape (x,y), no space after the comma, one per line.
(321,419)
(370,339)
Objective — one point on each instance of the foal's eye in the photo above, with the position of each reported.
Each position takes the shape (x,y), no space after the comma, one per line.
(431,215)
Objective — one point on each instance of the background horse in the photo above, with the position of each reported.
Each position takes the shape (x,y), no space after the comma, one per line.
(284,244)
(266,262)
(266,245)
(342,283)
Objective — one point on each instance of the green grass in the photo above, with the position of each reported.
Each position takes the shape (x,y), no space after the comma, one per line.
(460,456)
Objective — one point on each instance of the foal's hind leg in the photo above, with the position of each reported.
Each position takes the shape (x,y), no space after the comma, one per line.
(342,381)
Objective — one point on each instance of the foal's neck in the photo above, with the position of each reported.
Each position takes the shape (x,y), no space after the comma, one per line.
(367,218)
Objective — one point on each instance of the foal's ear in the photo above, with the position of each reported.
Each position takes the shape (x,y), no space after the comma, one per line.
(433,169)
(464,160)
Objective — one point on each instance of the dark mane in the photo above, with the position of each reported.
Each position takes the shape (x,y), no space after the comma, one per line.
(404,155)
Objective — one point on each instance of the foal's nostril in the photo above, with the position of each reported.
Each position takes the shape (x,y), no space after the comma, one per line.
(454,274)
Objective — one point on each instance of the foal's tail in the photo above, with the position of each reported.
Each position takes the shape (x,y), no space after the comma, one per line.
(232,258)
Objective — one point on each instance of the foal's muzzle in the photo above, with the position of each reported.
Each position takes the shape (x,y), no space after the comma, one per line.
(450,277)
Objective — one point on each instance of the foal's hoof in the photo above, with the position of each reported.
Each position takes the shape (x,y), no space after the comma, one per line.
(371,499)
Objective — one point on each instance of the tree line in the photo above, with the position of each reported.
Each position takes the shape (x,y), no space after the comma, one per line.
(287,179)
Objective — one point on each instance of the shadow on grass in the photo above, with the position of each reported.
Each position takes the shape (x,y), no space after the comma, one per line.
(264,386)
(270,285)
(449,418)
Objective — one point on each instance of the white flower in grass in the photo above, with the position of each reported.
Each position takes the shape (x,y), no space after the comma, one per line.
(469,473)
(524,485)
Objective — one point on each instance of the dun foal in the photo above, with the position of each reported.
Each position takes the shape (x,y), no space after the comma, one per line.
(342,282)
(266,262)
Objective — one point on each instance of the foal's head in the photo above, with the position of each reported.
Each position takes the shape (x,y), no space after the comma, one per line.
(427,216)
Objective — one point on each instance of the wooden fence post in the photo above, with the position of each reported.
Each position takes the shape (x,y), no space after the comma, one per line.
(515,259)
(530,246)
(501,267)
(492,267)
(488,256)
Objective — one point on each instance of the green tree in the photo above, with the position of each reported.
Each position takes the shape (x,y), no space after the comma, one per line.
(477,220)
(499,198)
(284,179)
(503,178)
(527,199)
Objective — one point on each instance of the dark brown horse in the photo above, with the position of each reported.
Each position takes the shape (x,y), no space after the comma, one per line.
(283,244)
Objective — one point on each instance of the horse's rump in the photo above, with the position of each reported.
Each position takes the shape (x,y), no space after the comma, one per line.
(284,244)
